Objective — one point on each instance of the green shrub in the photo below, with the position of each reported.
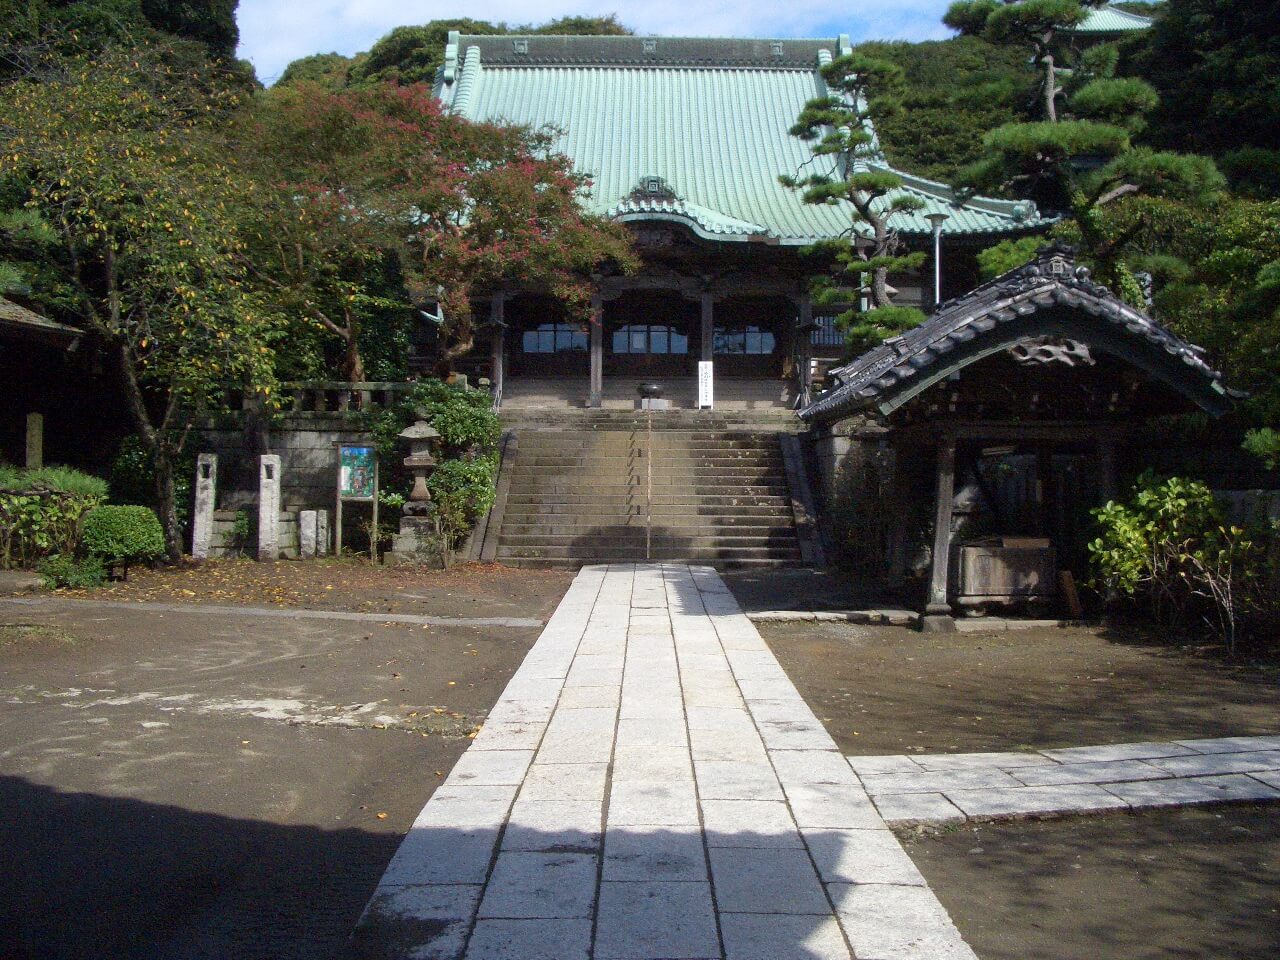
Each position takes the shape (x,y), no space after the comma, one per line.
(1171,548)
(64,570)
(130,534)
(463,490)
(41,511)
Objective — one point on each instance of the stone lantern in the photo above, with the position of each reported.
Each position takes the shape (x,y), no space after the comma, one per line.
(422,437)
(419,539)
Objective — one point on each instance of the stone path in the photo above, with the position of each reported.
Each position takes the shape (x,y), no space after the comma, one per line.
(943,788)
(651,785)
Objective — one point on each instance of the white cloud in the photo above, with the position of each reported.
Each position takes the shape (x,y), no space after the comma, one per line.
(274,32)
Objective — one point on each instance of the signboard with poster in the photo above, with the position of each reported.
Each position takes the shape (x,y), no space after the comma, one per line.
(357,483)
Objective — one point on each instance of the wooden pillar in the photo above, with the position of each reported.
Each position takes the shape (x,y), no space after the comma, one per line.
(596,397)
(1107,466)
(708,325)
(937,614)
(497,319)
(804,350)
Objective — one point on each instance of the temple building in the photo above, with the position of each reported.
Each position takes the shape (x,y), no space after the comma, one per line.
(684,140)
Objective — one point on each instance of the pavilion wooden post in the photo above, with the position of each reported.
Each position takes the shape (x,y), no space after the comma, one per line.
(708,325)
(596,397)
(804,349)
(937,613)
(497,319)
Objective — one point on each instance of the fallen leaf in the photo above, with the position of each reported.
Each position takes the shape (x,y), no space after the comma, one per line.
(382,816)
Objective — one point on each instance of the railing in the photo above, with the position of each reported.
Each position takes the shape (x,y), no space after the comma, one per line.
(338,396)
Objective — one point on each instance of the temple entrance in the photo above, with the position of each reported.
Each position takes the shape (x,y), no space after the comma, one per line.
(650,334)
(751,336)
(542,342)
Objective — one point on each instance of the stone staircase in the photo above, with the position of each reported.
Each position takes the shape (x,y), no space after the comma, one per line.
(710,489)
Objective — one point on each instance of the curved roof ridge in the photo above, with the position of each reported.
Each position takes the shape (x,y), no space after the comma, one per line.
(913,360)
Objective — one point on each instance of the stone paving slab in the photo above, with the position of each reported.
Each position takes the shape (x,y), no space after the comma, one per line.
(947,788)
(651,786)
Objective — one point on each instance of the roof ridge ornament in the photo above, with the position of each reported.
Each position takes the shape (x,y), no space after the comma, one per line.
(652,187)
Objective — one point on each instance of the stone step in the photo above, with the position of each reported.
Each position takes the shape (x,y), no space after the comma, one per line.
(523,523)
(612,494)
(716,563)
(575,440)
(675,420)
(640,479)
(666,535)
(677,552)
(588,515)
(707,506)
(592,455)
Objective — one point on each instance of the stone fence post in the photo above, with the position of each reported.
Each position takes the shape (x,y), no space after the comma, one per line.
(269,507)
(206,496)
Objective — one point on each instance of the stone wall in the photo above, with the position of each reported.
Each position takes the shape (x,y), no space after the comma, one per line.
(306,445)
(223,538)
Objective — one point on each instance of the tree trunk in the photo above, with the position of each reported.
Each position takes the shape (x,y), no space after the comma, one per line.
(166,501)
(1050,87)
(880,276)
(352,362)
(161,454)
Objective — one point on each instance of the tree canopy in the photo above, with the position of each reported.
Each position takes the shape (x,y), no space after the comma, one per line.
(413,54)
(121,160)
(377,178)
(94,23)
(1214,64)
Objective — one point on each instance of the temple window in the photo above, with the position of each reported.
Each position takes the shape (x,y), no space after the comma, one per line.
(555,338)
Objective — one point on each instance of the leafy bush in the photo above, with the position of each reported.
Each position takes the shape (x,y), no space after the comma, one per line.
(1170,547)
(41,512)
(64,570)
(1264,443)
(130,534)
(463,491)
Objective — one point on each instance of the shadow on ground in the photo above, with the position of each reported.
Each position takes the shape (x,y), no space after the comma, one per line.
(1190,884)
(91,876)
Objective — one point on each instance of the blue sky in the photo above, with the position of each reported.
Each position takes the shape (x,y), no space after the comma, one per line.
(274,32)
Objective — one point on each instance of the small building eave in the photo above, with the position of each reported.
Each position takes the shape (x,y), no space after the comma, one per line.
(1050,295)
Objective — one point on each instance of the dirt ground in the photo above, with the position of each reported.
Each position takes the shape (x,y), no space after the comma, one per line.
(887,690)
(348,584)
(201,785)
(1187,884)
(1192,883)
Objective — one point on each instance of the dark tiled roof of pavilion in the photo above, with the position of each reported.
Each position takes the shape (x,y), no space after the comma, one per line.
(1050,289)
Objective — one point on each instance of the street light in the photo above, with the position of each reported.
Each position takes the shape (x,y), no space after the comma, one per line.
(937,220)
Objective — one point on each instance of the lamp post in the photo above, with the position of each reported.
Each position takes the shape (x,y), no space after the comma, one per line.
(937,220)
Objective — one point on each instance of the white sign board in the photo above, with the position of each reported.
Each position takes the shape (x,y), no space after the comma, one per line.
(705,384)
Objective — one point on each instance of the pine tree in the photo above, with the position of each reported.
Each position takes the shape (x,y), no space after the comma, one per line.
(848,170)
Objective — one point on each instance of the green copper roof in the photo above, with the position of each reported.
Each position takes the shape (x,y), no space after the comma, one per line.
(683,129)
(1110,20)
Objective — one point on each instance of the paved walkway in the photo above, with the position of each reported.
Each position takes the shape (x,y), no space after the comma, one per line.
(651,785)
(943,788)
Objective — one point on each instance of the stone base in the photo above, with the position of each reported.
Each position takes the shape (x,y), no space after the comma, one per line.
(653,403)
(418,542)
(938,623)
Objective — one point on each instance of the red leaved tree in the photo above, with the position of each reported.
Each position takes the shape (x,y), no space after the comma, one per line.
(361,176)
